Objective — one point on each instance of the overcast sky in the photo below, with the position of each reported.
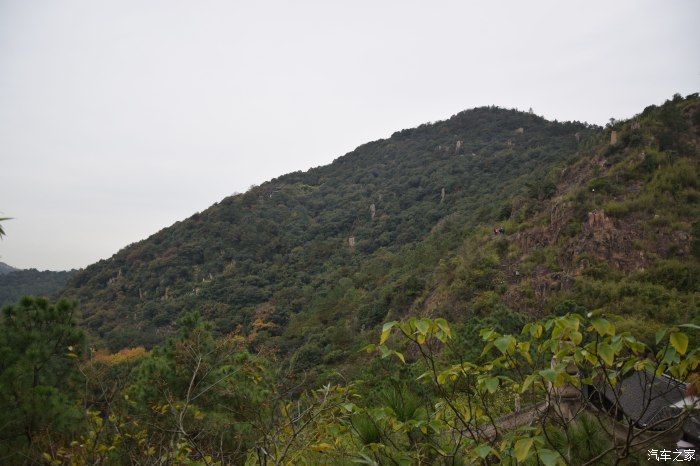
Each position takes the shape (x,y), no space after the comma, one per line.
(118,118)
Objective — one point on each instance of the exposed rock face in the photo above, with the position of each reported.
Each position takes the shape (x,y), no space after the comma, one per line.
(613,138)
(603,240)
(541,284)
(526,242)
(597,221)
(459,147)
(115,278)
(600,239)
(372,210)
(559,215)
(351,242)
(442,195)
(520,131)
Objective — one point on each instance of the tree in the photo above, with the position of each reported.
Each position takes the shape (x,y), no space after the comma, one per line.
(39,346)
(199,395)
(564,368)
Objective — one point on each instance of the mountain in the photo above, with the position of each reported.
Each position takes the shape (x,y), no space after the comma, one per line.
(309,263)
(18,283)
(296,245)
(4,268)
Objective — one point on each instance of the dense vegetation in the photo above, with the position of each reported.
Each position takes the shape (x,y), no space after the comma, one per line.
(31,282)
(277,262)
(203,400)
(588,224)
(594,278)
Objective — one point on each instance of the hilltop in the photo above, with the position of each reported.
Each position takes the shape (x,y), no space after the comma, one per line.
(290,249)
(308,263)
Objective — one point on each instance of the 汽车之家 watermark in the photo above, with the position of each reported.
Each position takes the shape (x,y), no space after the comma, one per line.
(670,455)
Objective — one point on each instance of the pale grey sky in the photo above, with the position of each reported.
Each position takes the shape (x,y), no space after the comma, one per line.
(118,118)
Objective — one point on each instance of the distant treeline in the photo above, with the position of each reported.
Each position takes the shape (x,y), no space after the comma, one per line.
(33,282)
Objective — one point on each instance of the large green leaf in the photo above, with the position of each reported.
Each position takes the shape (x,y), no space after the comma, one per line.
(679,341)
(549,374)
(549,457)
(423,326)
(603,327)
(386,330)
(444,326)
(606,353)
(491,384)
(522,448)
(504,343)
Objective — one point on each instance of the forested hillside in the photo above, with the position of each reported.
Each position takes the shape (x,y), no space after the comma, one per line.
(355,314)
(307,262)
(341,245)
(31,282)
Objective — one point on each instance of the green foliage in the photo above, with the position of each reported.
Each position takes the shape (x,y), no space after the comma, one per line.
(275,264)
(366,429)
(275,375)
(200,391)
(39,347)
(549,359)
(31,282)
(582,441)
(673,274)
(205,400)
(285,242)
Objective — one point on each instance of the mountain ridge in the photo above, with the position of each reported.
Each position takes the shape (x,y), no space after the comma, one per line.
(438,142)
(308,262)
